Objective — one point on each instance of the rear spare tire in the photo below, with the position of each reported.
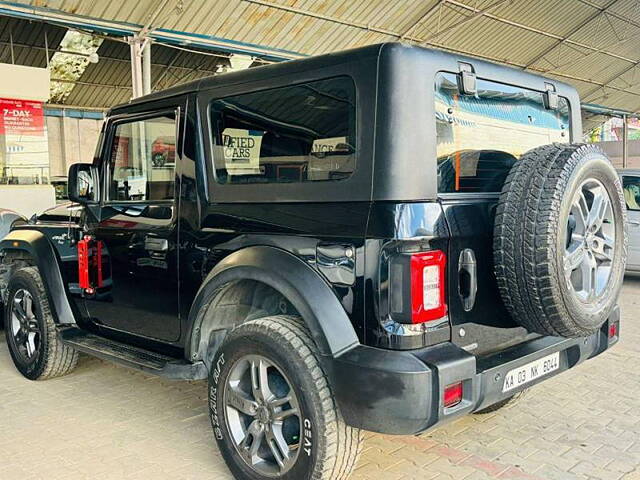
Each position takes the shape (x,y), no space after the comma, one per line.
(560,240)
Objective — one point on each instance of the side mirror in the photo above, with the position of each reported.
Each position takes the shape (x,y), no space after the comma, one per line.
(83,182)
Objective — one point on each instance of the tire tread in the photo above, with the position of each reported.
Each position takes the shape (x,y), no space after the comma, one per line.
(525,239)
(59,359)
(342,443)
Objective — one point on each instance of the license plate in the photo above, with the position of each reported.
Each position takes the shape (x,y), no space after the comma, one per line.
(529,372)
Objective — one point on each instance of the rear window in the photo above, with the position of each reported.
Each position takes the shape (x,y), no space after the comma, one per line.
(300,133)
(481,136)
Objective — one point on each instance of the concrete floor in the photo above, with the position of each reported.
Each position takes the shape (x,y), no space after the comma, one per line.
(107,422)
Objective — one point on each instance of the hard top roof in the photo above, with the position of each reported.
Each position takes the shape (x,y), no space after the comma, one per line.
(370,53)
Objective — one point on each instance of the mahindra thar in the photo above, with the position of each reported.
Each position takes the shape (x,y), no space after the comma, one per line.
(380,239)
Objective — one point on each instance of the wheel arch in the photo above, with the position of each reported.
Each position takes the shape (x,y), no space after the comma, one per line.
(35,246)
(301,287)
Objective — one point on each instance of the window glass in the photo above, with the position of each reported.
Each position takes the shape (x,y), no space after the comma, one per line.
(302,133)
(479,137)
(143,160)
(631,188)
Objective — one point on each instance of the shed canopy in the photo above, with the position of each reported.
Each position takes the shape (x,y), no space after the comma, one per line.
(592,44)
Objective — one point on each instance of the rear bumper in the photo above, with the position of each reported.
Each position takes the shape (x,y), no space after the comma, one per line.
(401,392)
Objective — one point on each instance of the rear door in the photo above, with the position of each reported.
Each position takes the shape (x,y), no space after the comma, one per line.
(631,187)
(138,225)
(480,137)
(480,322)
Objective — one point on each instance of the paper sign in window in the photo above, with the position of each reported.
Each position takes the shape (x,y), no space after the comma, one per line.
(241,150)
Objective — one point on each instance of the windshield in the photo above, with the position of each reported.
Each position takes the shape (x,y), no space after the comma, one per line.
(481,136)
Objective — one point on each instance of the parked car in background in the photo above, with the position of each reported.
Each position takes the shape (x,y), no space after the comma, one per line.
(631,187)
(8,219)
(58,224)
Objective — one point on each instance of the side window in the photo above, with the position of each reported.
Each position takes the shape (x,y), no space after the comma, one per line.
(631,187)
(142,160)
(301,133)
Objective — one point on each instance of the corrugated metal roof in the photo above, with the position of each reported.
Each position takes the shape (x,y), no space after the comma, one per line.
(108,82)
(28,39)
(593,44)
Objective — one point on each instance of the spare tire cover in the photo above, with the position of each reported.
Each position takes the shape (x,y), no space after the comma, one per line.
(560,240)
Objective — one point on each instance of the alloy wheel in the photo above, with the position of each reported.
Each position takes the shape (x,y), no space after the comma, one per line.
(25,327)
(590,241)
(263,415)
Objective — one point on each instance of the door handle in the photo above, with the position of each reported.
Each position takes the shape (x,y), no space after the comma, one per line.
(467,278)
(155,244)
(635,223)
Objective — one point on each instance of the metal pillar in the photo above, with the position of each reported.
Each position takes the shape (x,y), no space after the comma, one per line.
(63,145)
(625,146)
(136,66)
(140,65)
(146,68)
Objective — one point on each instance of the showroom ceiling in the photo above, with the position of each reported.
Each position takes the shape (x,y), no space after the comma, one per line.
(592,44)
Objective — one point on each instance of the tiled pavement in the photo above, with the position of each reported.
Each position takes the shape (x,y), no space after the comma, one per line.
(106,422)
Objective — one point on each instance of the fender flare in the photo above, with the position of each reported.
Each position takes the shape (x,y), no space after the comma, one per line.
(44,254)
(299,283)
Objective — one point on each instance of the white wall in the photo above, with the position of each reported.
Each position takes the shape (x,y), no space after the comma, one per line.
(26,83)
(27,199)
(71,140)
(614,152)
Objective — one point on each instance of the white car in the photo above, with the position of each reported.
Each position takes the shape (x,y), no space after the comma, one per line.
(631,187)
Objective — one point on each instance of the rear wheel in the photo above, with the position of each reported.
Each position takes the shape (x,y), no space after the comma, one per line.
(30,331)
(271,407)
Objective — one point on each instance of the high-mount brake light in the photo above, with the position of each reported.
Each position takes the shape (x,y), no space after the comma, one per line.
(428,286)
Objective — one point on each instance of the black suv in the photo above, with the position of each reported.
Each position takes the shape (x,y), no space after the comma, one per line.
(381,239)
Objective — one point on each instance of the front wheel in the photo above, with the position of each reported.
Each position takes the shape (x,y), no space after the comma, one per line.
(272,410)
(30,330)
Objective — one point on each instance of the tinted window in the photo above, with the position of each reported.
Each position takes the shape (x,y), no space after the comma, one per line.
(302,133)
(631,187)
(481,136)
(143,160)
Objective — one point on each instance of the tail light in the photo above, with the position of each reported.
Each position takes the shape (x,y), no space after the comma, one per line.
(613,330)
(428,286)
(452,395)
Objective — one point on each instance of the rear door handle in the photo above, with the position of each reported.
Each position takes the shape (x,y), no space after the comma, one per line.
(467,278)
(635,223)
